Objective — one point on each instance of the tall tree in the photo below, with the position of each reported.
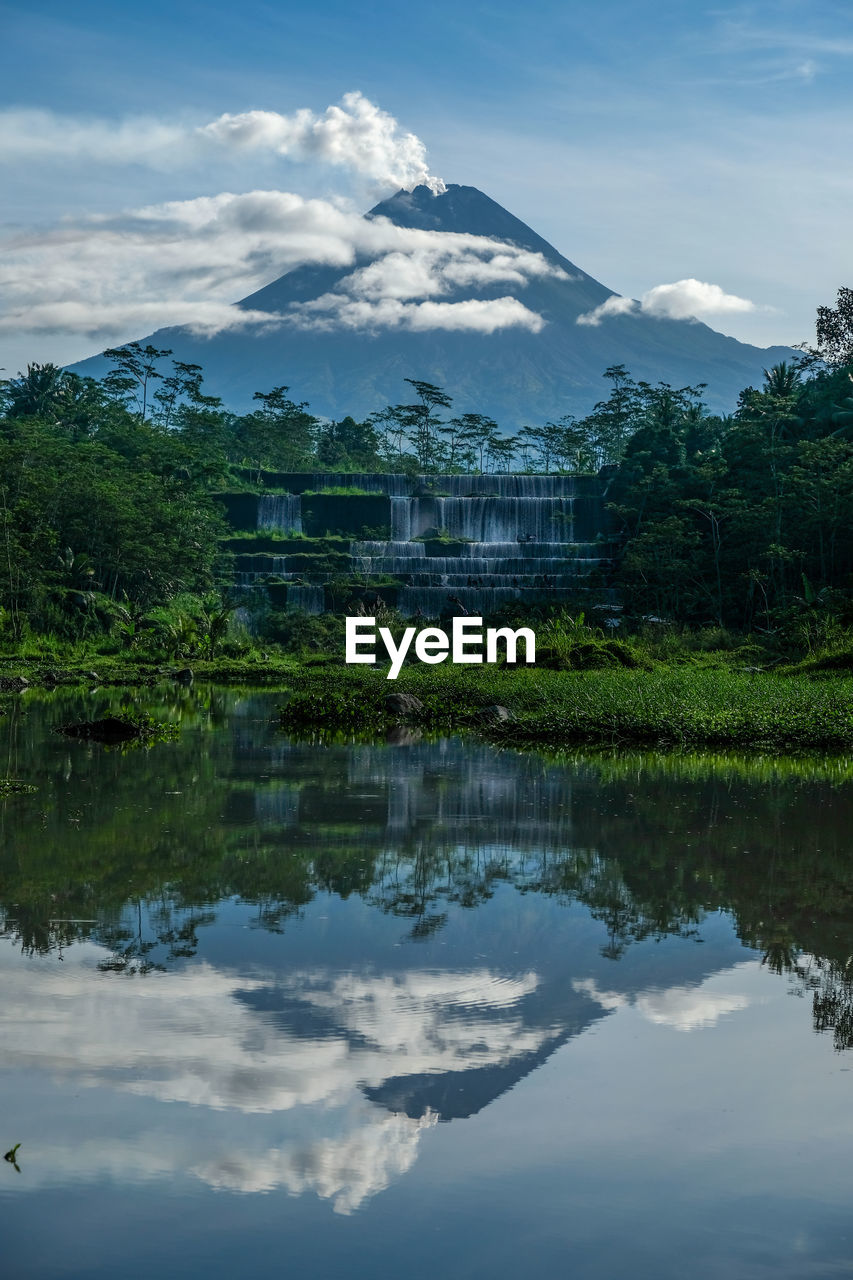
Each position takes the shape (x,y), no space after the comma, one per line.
(835,331)
(279,435)
(425,424)
(134,370)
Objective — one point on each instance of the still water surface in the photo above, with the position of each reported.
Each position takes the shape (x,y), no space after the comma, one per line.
(421,1009)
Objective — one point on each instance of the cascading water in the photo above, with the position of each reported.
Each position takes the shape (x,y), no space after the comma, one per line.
(310,597)
(458,544)
(280,511)
(435,602)
(474,543)
(479,519)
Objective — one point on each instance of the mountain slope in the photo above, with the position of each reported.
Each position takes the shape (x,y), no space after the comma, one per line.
(513,374)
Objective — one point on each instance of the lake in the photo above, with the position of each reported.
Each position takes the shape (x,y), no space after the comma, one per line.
(420,1007)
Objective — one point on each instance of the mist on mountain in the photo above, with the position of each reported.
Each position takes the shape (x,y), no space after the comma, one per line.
(502,337)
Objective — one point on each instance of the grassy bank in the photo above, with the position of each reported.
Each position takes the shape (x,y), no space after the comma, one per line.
(662,707)
(134,671)
(603,693)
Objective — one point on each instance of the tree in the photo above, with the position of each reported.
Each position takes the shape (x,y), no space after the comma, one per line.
(782,380)
(135,368)
(500,452)
(38,393)
(458,451)
(279,435)
(834,328)
(480,432)
(349,446)
(611,423)
(183,384)
(423,424)
(545,442)
(391,427)
(417,424)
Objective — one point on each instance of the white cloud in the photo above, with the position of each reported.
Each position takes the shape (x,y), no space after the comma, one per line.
(682,1008)
(356,134)
(683,300)
(437,262)
(686,299)
(346,1169)
(476,315)
(190,1037)
(111,318)
(368,1150)
(612,306)
(384,293)
(34,136)
(117,276)
(282,1109)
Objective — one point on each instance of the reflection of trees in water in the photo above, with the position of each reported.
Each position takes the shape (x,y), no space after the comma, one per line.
(136,853)
(430,876)
(830,983)
(133,948)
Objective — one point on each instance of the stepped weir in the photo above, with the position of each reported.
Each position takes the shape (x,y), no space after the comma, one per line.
(432,546)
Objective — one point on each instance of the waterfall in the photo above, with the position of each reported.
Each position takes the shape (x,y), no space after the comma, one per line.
(529,550)
(480,542)
(464,569)
(280,511)
(470,543)
(310,597)
(500,486)
(244,617)
(397,485)
(481,519)
(401,519)
(431,602)
(411,550)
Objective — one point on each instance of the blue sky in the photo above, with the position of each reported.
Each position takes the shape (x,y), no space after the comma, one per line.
(649,142)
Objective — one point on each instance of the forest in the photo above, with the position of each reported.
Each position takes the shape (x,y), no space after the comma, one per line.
(742,522)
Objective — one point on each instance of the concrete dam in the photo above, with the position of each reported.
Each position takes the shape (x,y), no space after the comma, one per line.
(428,545)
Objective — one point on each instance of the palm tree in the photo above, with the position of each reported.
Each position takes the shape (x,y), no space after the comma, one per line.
(214,618)
(36,393)
(782,380)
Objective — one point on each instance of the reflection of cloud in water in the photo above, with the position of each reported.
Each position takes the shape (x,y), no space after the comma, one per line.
(347,1170)
(195,1037)
(432,1016)
(192,1037)
(683,1008)
(367,1153)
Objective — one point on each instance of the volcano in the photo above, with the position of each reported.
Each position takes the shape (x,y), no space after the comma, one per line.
(515,374)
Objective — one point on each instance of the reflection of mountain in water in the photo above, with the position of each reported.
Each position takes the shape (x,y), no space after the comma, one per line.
(260,1096)
(337,946)
(456,1095)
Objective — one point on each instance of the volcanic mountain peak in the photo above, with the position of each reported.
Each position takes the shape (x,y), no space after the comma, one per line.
(343,338)
(461,209)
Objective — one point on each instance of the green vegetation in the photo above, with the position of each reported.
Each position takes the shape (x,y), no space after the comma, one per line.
(650,843)
(127,729)
(15,786)
(720,708)
(338,491)
(113,543)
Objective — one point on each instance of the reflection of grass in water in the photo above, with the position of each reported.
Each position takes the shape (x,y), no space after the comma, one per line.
(649,859)
(15,786)
(704,766)
(620,765)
